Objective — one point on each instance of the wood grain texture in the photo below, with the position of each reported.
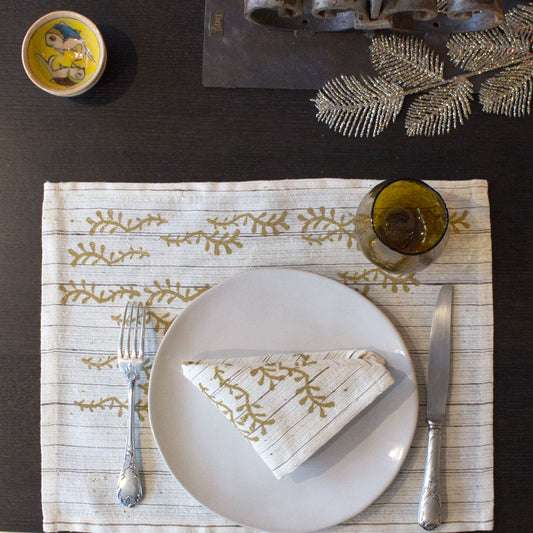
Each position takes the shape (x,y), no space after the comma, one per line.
(150,119)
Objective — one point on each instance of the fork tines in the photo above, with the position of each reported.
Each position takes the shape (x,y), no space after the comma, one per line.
(134,348)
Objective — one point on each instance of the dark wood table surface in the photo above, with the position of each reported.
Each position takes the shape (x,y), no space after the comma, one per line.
(150,119)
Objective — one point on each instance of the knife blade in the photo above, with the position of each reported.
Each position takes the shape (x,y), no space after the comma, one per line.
(429,507)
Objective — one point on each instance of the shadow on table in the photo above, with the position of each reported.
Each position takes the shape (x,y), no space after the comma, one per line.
(120,70)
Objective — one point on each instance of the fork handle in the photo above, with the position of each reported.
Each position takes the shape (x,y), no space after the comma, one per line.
(129,490)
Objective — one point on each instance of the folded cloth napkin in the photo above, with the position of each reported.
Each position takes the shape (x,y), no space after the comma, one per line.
(289,405)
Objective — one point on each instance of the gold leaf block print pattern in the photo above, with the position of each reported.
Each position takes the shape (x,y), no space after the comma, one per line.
(267,224)
(159,320)
(323,225)
(386,280)
(216,241)
(85,291)
(168,292)
(289,405)
(246,416)
(318,226)
(94,255)
(458,221)
(112,402)
(111,222)
(229,239)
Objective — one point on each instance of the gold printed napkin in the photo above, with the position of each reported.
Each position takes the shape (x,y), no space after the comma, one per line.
(289,405)
(166,244)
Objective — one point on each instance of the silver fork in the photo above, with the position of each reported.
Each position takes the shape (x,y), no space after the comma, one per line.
(130,359)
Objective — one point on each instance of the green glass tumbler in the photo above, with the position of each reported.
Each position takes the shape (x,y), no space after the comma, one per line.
(402,225)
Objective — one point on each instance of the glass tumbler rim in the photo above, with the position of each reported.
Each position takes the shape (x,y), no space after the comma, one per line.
(387,183)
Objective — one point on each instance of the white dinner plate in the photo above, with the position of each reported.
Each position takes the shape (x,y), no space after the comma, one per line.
(271,311)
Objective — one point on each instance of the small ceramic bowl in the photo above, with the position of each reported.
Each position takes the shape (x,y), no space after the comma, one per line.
(63,53)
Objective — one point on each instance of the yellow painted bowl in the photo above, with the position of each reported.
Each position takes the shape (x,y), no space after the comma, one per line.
(64,53)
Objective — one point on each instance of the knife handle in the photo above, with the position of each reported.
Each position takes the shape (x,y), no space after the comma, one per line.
(429,505)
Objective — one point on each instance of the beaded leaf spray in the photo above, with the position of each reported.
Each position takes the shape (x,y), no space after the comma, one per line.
(365,106)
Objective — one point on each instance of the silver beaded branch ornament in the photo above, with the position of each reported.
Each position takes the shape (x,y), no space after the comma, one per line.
(365,106)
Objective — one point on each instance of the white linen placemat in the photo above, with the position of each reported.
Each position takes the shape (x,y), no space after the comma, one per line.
(104,243)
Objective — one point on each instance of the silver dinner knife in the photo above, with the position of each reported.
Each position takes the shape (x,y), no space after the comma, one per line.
(429,506)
